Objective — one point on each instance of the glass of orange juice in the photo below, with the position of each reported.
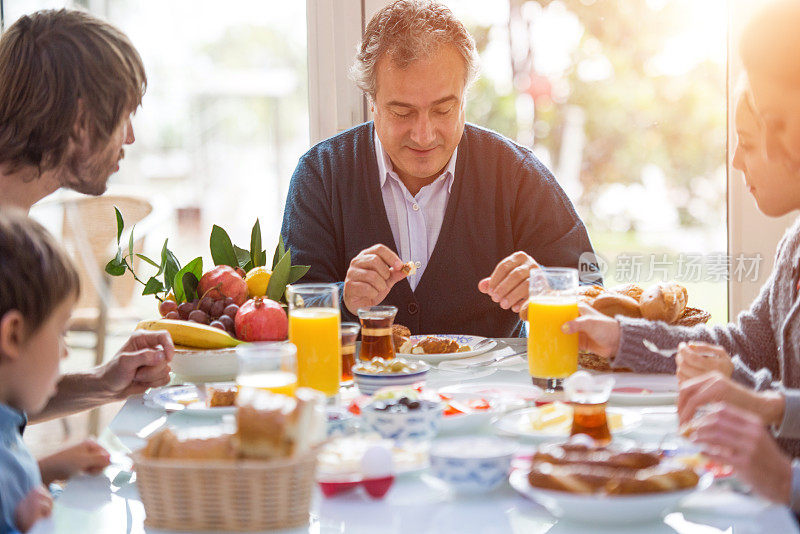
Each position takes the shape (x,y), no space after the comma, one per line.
(553,300)
(314,328)
(271,366)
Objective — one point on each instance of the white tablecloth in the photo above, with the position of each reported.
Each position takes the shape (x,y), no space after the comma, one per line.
(95,505)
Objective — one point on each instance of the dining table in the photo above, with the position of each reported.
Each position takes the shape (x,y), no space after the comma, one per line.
(109,503)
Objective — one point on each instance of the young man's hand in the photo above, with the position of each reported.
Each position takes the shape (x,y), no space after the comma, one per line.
(142,363)
(508,283)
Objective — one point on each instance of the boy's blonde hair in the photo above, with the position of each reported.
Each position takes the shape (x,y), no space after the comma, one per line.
(36,275)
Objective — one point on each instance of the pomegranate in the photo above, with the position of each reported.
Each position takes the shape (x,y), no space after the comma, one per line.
(222,281)
(261,319)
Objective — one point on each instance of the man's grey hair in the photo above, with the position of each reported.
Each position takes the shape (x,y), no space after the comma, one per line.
(410,30)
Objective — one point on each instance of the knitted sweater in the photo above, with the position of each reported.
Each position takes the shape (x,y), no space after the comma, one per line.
(503,200)
(764,341)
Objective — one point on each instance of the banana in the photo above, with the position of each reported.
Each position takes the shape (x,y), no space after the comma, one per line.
(191,334)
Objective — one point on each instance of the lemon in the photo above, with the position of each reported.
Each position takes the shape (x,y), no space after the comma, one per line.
(257,280)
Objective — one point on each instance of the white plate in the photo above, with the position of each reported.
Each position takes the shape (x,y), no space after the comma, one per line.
(659,389)
(341,457)
(204,365)
(462,340)
(500,390)
(188,399)
(514,424)
(605,509)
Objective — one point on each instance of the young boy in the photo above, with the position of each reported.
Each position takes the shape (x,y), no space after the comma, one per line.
(38,288)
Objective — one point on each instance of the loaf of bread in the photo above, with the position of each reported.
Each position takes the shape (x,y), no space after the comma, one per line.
(613,304)
(664,302)
(633,291)
(166,444)
(400,335)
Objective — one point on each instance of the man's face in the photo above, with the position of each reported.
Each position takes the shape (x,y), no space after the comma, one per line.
(419,112)
(778,104)
(87,171)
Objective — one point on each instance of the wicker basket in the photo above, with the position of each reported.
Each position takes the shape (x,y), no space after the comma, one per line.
(246,495)
(690,317)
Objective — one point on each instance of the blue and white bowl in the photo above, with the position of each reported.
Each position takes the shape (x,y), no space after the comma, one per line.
(369,383)
(340,422)
(422,424)
(471,464)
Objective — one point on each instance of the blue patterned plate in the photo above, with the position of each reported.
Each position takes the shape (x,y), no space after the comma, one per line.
(462,340)
(188,399)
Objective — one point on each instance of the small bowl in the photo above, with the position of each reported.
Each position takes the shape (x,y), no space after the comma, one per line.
(471,464)
(369,383)
(340,422)
(421,424)
(205,365)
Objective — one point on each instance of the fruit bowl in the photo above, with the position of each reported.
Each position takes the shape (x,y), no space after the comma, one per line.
(420,422)
(205,365)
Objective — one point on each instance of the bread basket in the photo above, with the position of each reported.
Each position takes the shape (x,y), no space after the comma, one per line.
(690,317)
(244,495)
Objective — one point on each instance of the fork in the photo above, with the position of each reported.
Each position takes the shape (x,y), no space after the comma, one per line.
(666,353)
(496,360)
(482,343)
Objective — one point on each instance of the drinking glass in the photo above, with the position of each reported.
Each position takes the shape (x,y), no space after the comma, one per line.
(349,336)
(376,332)
(271,366)
(589,396)
(553,300)
(314,328)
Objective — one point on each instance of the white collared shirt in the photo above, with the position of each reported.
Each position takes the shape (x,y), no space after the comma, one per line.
(415,220)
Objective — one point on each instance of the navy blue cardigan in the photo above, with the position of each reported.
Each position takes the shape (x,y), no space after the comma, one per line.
(503,200)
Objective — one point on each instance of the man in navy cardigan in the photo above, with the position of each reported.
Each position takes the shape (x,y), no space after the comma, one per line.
(472,210)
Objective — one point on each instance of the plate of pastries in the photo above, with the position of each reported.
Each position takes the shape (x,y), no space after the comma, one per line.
(580,481)
(440,347)
(213,399)
(666,302)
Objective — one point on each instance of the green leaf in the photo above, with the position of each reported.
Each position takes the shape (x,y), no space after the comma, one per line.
(280,250)
(153,286)
(297,272)
(120,224)
(243,257)
(116,267)
(279,278)
(195,267)
(130,243)
(169,265)
(151,262)
(190,282)
(255,246)
(222,251)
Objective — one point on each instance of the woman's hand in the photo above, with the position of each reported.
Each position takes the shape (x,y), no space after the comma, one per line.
(597,333)
(736,437)
(36,505)
(713,387)
(696,358)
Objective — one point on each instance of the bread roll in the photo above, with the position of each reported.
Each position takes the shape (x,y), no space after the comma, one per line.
(590,291)
(614,304)
(664,302)
(633,291)
(166,444)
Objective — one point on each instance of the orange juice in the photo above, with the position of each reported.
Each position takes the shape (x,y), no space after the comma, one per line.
(551,352)
(282,382)
(315,332)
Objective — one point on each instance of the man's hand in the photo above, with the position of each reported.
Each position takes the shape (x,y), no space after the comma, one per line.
(737,437)
(713,387)
(85,457)
(36,505)
(508,284)
(696,358)
(142,363)
(371,276)
(597,333)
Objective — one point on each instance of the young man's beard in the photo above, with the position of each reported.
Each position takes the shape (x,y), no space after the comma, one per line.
(89,173)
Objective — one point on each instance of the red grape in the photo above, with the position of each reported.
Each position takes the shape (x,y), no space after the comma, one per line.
(226,321)
(217,309)
(199,316)
(184,309)
(173,315)
(205,304)
(231,310)
(217,324)
(228,301)
(167,306)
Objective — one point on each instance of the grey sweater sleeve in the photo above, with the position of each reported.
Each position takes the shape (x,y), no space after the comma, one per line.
(794,498)
(750,340)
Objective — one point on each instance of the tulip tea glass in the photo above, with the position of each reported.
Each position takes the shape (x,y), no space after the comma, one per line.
(349,337)
(376,332)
